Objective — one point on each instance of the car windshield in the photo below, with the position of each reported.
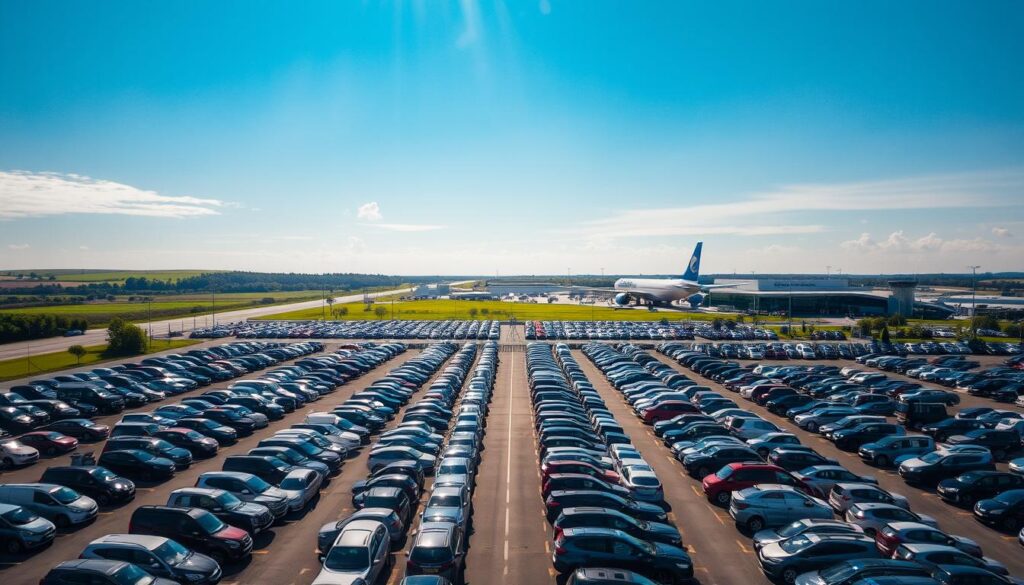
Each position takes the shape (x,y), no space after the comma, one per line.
(278,463)
(228,501)
(171,552)
(347,558)
(453,469)
(791,529)
(19,516)
(724,473)
(971,477)
(257,485)
(64,495)
(445,501)
(132,575)
(429,555)
(795,544)
(933,457)
(838,573)
(644,480)
(142,455)
(293,483)
(210,523)
(103,474)
(193,435)
(1010,497)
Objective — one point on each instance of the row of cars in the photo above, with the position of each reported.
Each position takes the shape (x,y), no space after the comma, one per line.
(484,329)
(770,480)
(607,330)
(1002,383)
(604,501)
(201,528)
(440,435)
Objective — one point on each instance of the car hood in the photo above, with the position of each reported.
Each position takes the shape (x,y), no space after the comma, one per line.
(914,463)
(662,529)
(671,552)
(648,508)
(250,508)
(773,551)
(273,494)
(766,537)
(37,526)
(198,563)
(439,513)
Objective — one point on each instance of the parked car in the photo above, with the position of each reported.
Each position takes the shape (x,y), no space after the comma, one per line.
(439,549)
(22,530)
(802,527)
(159,556)
(1005,510)
(873,516)
(968,488)
(605,547)
(195,528)
(61,505)
(896,533)
(769,505)
(784,561)
(100,572)
(389,518)
(360,554)
(251,517)
(99,483)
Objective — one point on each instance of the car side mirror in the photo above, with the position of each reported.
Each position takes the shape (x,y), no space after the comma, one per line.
(808,503)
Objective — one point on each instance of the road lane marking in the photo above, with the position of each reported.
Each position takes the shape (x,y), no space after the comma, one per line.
(744,547)
(695,490)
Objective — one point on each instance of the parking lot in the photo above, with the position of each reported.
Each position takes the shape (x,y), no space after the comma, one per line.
(512,540)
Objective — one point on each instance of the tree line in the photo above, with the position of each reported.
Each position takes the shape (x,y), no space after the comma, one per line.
(17,327)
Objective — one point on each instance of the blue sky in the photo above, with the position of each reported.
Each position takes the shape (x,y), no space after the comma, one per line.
(512,137)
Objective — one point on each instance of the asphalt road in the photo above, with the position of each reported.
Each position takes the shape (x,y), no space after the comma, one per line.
(21,349)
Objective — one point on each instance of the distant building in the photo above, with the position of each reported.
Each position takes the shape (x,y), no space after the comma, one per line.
(472,295)
(825,297)
(431,291)
(502,288)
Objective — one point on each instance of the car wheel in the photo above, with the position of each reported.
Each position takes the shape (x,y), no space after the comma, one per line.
(14,546)
(62,521)
(664,577)
(50,451)
(722,498)
(999,454)
(967,500)
(755,524)
(763,453)
(102,499)
(789,576)
(8,463)
(869,532)
(703,472)
(882,461)
(1011,524)
(812,427)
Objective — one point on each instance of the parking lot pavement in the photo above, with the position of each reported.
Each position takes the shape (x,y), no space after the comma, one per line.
(512,539)
(721,555)
(1002,547)
(286,554)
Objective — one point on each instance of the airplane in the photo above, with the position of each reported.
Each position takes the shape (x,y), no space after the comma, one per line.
(663,291)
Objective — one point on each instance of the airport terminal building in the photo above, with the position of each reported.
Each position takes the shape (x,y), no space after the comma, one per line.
(823,297)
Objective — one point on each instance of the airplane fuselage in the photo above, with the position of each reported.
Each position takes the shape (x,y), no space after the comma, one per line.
(658,289)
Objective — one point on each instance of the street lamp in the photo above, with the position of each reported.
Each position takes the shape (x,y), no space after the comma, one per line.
(974,304)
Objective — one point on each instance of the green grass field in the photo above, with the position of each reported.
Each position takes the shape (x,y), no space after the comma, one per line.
(52,362)
(448,309)
(99,313)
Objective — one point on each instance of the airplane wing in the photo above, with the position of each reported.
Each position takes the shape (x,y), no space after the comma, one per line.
(704,287)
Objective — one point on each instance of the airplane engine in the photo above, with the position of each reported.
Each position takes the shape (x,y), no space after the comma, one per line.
(621,299)
(695,300)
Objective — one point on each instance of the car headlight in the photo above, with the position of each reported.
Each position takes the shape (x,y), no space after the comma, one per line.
(683,565)
(194,577)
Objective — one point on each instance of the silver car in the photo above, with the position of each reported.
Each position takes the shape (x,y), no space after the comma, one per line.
(844,495)
(872,517)
(821,478)
(448,504)
(301,485)
(359,555)
(770,505)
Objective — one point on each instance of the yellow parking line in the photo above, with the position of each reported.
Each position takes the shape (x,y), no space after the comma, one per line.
(744,547)
(695,490)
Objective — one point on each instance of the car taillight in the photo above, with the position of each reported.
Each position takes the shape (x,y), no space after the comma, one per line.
(558,533)
(553,504)
(559,549)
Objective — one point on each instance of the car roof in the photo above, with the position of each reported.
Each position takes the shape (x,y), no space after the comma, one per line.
(99,565)
(434,534)
(867,506)
(145,540)
(900,526)
(357,533)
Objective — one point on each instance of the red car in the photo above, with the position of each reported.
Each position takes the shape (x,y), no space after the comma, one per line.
(666,410)
(49,442)
(718,487)
(549,468)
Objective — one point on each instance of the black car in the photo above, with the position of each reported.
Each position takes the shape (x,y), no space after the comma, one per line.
(944,429)
(136,463)
(439,548)
(79,428)
(243,425)
(1000,443)
(850,439)
(404,467)
(56,409)
(562,499)
(780,405)
(608,518)
(396,480)
(710,460)
(15,420)
(792,459)
(251,517)
(224,435)
(198,444)
(391,498)
(100,572)
(98,483)
(938,465)
(1005,511)
(196,529)
(182,458)
(968,488)
(784,561)
(604,547)
(270,469)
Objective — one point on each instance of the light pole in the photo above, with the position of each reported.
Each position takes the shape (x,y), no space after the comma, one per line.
(149,315)
(974,304)
(213,293)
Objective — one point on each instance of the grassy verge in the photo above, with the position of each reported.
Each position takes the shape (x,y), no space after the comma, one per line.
(99,313)
(501,310)
(60,360)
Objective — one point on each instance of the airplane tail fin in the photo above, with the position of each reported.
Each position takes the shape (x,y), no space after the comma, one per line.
(693,268)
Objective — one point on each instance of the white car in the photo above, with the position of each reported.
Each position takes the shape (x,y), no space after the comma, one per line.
(14,453)
(360,554)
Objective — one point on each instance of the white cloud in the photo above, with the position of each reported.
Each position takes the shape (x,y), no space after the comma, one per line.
(757,213)
(409,227)
(1001,232)
(369,212)
(18,246)
(545,7)
(29,194)
(899,243)
(470,34)
(83,247)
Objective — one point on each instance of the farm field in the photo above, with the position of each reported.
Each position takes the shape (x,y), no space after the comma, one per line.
(112,276)
(99,313)
(52,362)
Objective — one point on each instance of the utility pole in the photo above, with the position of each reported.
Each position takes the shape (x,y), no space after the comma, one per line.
(214,293)
(974,304)
(149,315)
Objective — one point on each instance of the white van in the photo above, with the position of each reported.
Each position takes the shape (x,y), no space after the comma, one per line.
(61,505)
(323,418)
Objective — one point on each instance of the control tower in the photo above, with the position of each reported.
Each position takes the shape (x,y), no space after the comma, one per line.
(902,299)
